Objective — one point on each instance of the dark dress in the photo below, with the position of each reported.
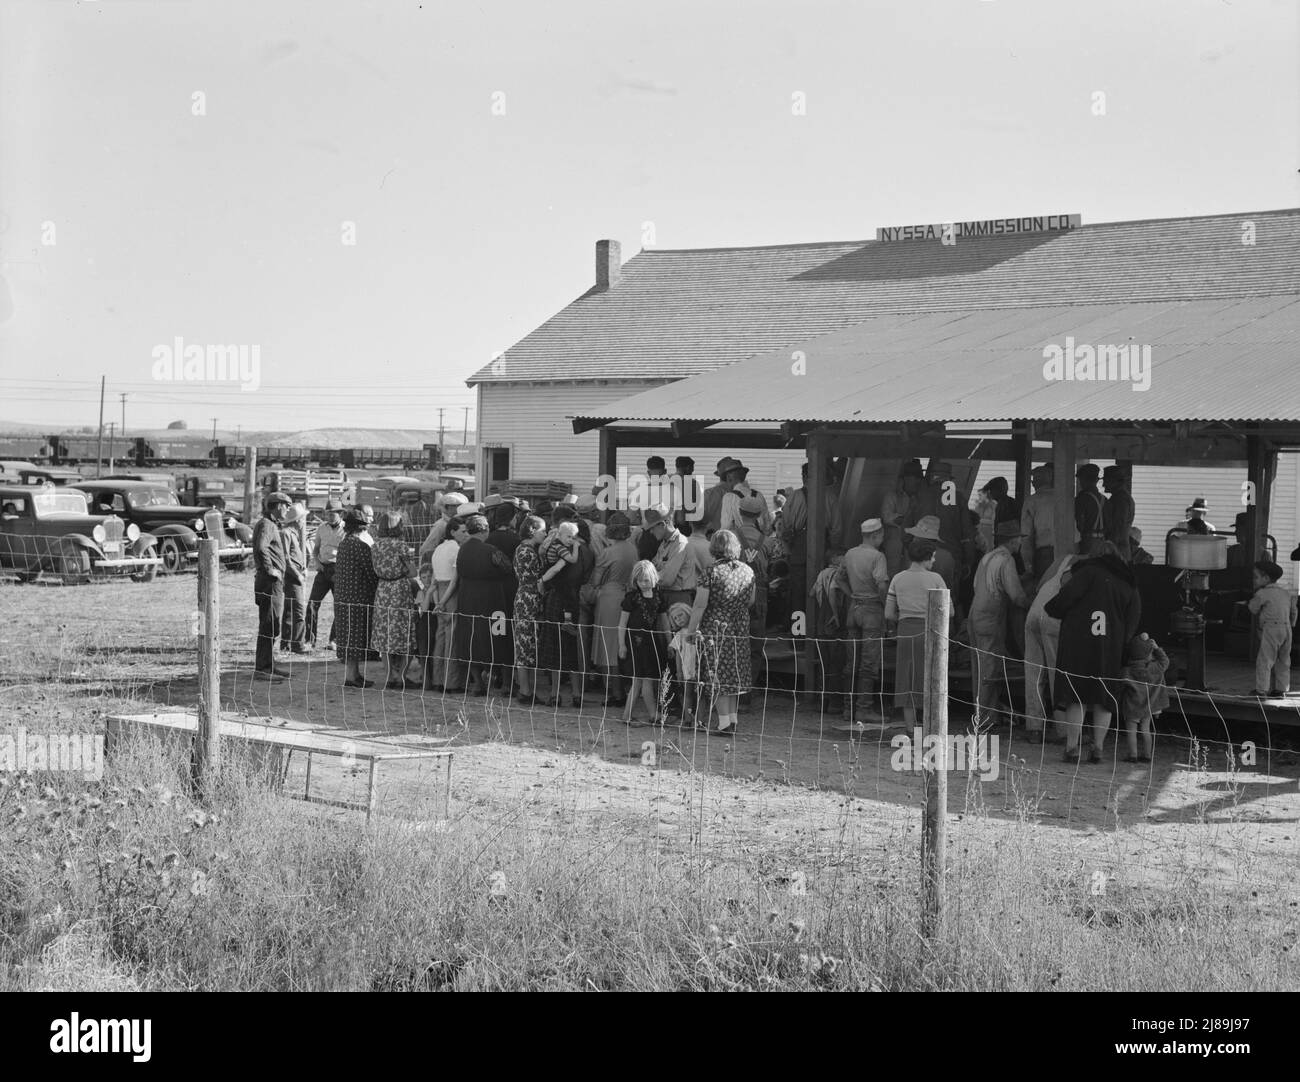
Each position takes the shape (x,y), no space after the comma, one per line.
(647,644)
(557,648)
(354,594)
(1090,656)
(508,542)
(528,605)
(484,576)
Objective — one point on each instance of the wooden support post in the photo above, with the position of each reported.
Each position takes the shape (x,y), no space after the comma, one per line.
(1023,449)
(1261,459)
(207,742)
(1063,463)
(934,831)
(816,550)
(607,463)
(252,498)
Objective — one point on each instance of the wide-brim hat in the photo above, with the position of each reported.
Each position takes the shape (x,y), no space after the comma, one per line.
(468,508)
(725,466)
(1199,504)
(926,529)
(455,499)
(494,500)
(1007,528)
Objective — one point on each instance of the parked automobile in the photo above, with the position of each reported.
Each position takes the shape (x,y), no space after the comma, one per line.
(50,530)
(390,494)
(178,527)
(29,473)
(223,493)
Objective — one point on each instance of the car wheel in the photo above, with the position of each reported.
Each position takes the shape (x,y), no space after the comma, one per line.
(149,573)
(173,556)
(74,565)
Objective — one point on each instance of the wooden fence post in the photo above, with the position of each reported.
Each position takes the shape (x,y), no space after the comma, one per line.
(207,743)
(252,498)
(934,831)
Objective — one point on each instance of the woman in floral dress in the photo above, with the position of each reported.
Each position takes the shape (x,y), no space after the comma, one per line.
(392,633)
(528,605)
(354,594)
(721,617)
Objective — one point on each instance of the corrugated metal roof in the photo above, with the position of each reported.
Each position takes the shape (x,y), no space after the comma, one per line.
(678,313)
(1210,360)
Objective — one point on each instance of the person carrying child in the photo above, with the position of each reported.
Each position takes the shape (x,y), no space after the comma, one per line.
(685,653)
(642,627)
(1144,694)
(557,641)
(1275,608)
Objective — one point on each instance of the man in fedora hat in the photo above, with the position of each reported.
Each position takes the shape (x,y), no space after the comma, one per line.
(268,582)
(1117,517)
(713,497)
(1196,522)
(997,590)
(868,574)
(942,500)
(324,553)
(1089,509)
(1038,521)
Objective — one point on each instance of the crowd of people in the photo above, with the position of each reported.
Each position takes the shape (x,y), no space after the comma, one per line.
(666,605)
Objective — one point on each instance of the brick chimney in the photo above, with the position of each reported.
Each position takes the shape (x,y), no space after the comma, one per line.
(609,264)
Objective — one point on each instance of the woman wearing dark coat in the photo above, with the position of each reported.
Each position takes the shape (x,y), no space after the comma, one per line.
(354,597)
(1099,610)
(484,581)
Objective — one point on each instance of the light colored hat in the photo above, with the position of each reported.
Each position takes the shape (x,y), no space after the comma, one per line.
(586,503)
(927,529)
(872,525)
(752,505)
(467,508)
(453,499)
(652,516)
(494,500)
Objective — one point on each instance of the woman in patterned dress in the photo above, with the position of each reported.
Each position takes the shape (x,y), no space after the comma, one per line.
(354,594)
(721,617)
(392,632)
(528,605)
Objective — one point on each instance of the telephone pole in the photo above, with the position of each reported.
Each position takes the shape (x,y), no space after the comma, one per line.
(123,397)
(441,411)
(111,426)
(214,431)
(99,444)
(465,438)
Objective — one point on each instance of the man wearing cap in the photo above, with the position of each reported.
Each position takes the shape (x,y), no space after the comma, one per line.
(324,552)
(670,559)
(1038,523)
(1118,514)
(868,573)
(713,496)
(292,622)
(268,582)
(589,510)
(1089,509)
(896,513)
(451,502)
(997,589)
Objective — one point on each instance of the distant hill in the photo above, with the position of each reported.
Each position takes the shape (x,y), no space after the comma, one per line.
(314,437)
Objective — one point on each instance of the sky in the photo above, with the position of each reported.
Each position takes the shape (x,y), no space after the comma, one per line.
(195,169)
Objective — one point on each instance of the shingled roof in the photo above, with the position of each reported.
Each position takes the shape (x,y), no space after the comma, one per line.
(676,313)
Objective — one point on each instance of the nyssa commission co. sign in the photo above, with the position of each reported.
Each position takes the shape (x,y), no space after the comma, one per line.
(951,232)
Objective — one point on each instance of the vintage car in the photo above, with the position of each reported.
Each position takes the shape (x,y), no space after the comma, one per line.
(223,493)
(29,473)
(50,530)
(178,527)
(416,499)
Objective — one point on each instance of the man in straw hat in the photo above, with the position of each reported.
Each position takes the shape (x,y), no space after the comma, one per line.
(868,574)
(729,472)
(997,589)
(450,503)
(942,500)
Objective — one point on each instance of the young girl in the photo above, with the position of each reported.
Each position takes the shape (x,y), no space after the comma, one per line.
(1275,607)
(642,626)
(1145,694)
(685,652)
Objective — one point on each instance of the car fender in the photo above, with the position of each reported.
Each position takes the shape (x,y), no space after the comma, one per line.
(142,544)
(178,530)
(244,533)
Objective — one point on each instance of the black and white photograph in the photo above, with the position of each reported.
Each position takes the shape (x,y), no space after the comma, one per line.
(690,497)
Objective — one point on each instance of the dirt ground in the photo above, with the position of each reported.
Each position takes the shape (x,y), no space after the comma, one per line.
(789,778)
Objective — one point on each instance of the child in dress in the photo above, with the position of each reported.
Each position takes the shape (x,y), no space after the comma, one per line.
(1275,607)
(685,651)
(642,624)
(1144,695)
